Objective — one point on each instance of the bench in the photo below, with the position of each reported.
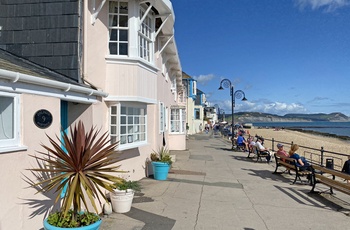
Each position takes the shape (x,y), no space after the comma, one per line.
(259,154)
(332,178)
(290,164)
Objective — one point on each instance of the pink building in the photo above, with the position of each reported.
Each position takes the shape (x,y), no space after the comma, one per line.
(113,64)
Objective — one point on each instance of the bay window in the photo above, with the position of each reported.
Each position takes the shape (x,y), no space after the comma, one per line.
(178,120)
(130,129)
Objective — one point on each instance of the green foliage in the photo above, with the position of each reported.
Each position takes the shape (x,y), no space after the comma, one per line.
(124,185)
(162,155)
(69,221)
(84,163)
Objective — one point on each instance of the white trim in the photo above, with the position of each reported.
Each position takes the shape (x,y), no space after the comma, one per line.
(113,59)
(13,149)
(45,91)
(131,99)
(15,77)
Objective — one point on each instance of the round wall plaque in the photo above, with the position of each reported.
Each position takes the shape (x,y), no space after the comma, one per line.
(43,118)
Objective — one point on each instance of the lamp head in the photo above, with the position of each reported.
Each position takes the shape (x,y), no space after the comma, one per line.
(221,88)
(244,99)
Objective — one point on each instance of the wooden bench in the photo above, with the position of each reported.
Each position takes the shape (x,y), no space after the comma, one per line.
(290,164)
(332,178)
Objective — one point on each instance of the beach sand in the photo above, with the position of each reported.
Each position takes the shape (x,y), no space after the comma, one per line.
(315,141)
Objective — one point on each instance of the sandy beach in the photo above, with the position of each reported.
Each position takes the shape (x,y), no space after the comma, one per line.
(331,144)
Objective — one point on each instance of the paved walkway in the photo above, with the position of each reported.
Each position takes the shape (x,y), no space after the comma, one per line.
(212,187)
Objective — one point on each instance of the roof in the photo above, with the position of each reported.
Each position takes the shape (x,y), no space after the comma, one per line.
(21,65)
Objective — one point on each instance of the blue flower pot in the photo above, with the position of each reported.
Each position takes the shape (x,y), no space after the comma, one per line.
(160,170)
(94,226)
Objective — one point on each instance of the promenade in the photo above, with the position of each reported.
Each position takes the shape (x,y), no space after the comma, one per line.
(212,187)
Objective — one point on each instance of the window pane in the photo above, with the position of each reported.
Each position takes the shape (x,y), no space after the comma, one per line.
(113,110)
(123,110)
(113,35)
(123,8)
(123,130)
(113,48)
(123,120)
(123,139)
(113,120)
(130,120)
(113,7)
(123,21)
(123,35)
(113,20)
(6,118)
(113,130)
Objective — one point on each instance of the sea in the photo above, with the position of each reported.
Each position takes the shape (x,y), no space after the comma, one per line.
(324,127)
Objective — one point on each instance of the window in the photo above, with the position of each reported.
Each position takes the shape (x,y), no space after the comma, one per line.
(9,120)
(118,27)
(132,124)
(145,36)
(178,121)
(197,114)
(161,117)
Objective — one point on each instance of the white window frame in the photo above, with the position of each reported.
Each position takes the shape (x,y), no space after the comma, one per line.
(178,121)
(146,35)
(161,117)
(118,28)
(125,121)
(13,142)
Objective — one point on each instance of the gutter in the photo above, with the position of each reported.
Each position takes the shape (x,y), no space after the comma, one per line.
(66,87)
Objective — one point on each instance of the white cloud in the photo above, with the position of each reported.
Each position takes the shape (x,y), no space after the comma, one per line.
(278,108)
(204,79)
(328,5)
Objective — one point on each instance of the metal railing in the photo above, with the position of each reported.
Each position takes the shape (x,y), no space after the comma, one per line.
(316,156)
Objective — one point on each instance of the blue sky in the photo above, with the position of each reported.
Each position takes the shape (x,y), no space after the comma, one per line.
(288,56)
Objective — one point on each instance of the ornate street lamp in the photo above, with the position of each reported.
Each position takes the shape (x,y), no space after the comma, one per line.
(238,94)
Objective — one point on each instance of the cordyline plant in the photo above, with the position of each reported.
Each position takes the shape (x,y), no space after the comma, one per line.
(82,163)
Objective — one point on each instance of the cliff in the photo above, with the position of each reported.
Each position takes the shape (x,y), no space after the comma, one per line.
(246,117)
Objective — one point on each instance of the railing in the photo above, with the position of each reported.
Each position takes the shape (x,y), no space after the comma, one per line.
(316,156)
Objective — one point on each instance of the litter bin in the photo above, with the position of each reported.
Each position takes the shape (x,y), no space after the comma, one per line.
(330,163)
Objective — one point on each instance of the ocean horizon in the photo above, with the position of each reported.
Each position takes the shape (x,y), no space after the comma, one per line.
(324,127)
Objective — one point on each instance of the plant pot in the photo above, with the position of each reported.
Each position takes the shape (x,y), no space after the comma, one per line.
(160,170)
(121,200)
(94,226)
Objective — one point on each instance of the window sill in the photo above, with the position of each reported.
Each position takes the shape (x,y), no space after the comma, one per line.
(13,149)
(132,145)
(131,60)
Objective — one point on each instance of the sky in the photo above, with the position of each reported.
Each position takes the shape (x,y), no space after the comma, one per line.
(287,56)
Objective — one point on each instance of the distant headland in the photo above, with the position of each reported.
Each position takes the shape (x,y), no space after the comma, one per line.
(244,117)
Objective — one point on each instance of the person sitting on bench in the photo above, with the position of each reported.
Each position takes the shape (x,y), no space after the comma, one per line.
(242,143)
(281,151)
(301,161)
(262,149)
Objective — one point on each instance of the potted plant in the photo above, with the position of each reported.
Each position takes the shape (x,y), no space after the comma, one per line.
(77,168)
(123,194)
(161,162)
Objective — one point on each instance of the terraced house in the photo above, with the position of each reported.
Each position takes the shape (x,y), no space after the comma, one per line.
(112,64)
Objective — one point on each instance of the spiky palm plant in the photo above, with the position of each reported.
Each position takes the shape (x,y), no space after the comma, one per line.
(83,163)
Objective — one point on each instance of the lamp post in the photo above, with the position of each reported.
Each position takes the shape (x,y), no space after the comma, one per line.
(238,94)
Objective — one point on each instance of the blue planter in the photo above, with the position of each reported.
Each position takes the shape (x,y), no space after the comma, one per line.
(94,226)
(160,170)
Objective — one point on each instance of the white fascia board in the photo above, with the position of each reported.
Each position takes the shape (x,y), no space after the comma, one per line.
(19,82)
(113,98)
